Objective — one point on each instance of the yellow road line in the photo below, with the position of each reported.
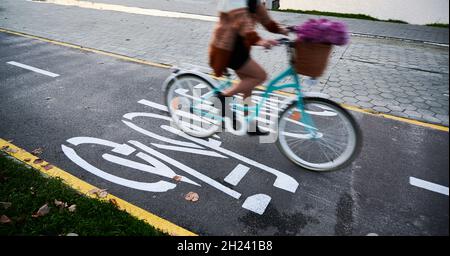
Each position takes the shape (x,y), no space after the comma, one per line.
(115,55)
(379,114)
(84,188)
(397,118)
(160,65)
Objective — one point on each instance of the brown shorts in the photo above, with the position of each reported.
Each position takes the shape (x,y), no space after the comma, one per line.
(240,54)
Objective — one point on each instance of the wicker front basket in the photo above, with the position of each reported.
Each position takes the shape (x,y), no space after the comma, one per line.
(311,59)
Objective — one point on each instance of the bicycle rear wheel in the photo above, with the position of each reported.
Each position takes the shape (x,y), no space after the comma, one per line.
(191,104)
(331,144)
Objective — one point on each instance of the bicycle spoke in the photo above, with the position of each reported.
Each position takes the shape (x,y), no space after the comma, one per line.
(322,151)
(334,143)
(330,147)
(195,116)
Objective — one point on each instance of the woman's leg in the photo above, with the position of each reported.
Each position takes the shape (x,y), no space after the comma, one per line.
(251,75)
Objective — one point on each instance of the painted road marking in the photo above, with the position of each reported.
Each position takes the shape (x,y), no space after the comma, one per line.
(428,185)
(282,181)
(257,203)
(156,167)
(160,186)
(237,174)
(37,70)
(161,138)
(160,107)
(154,105)
(187,169)
(132,10)
(84,188)
(189,150)
(168,66)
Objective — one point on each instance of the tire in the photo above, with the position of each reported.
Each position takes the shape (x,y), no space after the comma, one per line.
(326,139)
(197,124)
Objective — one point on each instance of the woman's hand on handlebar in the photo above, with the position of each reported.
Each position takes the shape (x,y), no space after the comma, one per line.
(284,31)
(267,43)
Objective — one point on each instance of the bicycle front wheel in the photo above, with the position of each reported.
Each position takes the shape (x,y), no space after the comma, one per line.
(329,140)
(193,106)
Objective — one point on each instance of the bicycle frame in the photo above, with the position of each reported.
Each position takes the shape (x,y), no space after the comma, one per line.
(272,87)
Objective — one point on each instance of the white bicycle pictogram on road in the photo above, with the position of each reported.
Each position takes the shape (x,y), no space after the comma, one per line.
(157,163)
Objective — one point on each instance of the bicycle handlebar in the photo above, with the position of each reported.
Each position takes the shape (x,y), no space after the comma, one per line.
(291,29)
(284,40)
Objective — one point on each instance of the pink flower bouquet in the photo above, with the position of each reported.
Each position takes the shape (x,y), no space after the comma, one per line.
(323,31)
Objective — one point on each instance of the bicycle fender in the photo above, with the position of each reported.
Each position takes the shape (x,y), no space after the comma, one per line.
(180,72)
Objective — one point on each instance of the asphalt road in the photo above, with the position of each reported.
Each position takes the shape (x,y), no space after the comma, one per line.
(90,96)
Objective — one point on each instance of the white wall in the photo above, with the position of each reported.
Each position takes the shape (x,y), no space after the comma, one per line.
(411,11)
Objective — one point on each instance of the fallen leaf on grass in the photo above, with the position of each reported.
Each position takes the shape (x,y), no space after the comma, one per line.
(102,194)
(114,202)
(72,208)
(37,151)
(176,178)
(191,196)
(44,210)
(38,161)
(5,205)
(99,192)
(4,219)
(60,204)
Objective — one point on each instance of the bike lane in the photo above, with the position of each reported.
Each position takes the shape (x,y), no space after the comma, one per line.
(102,119)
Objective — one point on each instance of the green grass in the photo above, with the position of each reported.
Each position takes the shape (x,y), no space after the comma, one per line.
(438,25)
(341,15)
(27,190)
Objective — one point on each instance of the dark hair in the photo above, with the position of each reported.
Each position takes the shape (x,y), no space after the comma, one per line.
(251,4)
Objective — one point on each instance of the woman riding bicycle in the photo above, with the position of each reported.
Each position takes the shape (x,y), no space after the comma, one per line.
(233,38)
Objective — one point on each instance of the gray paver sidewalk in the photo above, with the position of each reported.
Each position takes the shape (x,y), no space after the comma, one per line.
(402,78)
(364,27)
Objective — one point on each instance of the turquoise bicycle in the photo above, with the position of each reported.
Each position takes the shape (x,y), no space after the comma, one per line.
(313,132)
